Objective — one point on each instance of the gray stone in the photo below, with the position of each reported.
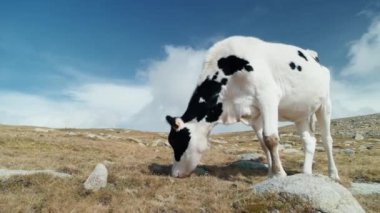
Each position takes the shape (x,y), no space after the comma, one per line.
(348,151)
(358,136)
(365,188)
(321,192)
(7,173)
(97,178)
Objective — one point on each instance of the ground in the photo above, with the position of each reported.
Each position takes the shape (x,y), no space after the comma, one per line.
(139,162)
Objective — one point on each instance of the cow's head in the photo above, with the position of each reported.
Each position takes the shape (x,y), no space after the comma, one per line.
(189,141)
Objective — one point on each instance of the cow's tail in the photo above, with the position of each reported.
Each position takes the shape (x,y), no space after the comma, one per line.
(312,121)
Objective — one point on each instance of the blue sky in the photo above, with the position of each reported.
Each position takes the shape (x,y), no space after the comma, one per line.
(61,56)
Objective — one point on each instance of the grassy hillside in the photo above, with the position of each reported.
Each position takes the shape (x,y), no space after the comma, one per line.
(139,162)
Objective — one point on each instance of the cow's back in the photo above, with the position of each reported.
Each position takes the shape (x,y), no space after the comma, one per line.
(301,83)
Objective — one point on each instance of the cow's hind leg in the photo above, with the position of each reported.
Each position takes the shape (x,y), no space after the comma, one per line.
(323,115)
(257,125)
(309,141)
(269,112)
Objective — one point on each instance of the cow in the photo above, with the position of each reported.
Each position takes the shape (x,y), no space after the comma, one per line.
(258,83)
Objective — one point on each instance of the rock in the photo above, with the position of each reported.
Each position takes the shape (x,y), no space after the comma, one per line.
(365,188)
(321,192)
(249,165)
(251,156)
(97,178)
(288,146)
(358,137)
(7,173)
(348,151)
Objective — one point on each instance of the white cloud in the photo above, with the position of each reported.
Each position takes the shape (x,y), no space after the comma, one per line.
(364,54)
(356,90)
(172,81)
(350,99)
(87,106)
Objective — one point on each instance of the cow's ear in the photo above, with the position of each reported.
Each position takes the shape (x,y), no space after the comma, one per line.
(176,123)
(171,121)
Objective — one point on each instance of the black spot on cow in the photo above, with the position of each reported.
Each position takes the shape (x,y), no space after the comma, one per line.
(249,68)
(299,68)
(209,108)
(292,65)
(179,140)
(232,64)
(316,59)
(302,55)
(214,113)
(224,81)
(215,76)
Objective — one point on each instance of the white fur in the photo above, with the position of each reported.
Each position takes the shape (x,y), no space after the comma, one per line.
(262,97)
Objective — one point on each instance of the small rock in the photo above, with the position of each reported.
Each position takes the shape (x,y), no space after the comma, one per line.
(358,137)
(348,151)
(288,146)
(97,178)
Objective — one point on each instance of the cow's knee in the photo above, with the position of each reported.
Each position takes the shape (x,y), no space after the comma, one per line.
(271,141)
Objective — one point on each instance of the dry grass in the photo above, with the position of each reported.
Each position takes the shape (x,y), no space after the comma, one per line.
(135,183)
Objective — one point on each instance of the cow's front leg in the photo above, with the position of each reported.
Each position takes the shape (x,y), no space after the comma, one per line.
(269,111)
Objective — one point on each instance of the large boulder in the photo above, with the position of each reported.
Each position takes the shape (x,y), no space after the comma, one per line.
(97,178)
(321,192)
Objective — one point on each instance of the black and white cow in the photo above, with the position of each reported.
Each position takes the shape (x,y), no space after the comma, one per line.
(258,83)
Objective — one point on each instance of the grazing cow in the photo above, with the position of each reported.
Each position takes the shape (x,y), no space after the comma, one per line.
(258,83)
